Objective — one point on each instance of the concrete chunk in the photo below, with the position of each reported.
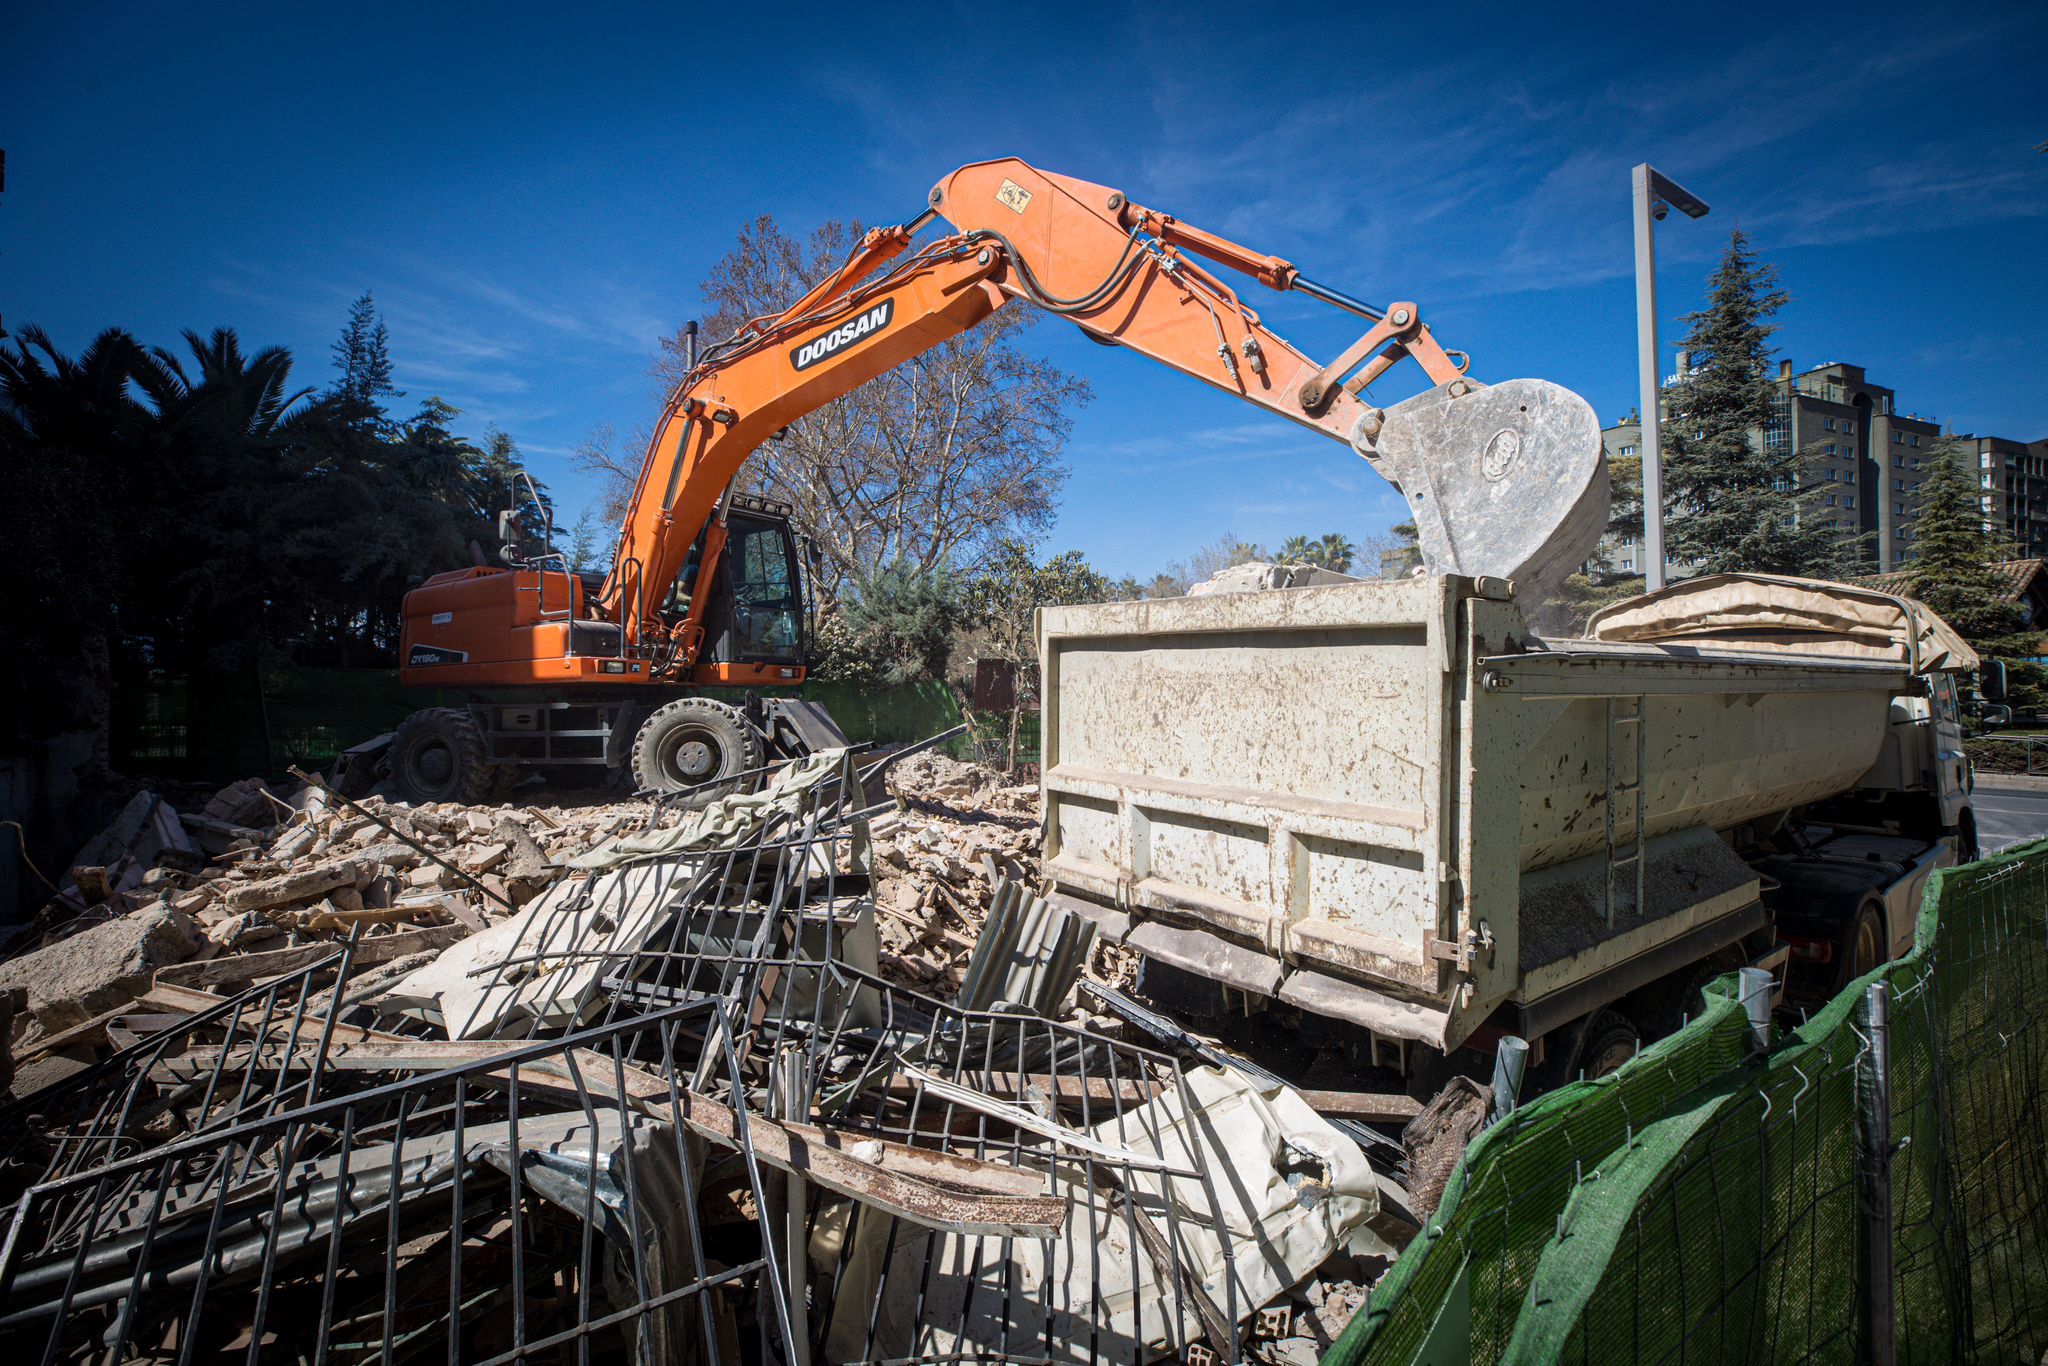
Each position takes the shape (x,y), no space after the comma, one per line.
(292,887)
(98,969)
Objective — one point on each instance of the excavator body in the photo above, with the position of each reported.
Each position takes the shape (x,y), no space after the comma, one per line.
(490,627)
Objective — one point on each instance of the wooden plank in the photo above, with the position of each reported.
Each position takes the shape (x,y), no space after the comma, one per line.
(86,1033)
(247,967)
(1391,1107)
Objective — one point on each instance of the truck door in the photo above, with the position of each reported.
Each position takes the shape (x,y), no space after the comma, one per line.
(1951,767)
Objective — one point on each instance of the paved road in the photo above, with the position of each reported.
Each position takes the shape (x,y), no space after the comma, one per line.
(2009,815)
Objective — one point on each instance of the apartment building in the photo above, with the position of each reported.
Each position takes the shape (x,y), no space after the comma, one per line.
(1867,459)
(2012,478)
(1866,456)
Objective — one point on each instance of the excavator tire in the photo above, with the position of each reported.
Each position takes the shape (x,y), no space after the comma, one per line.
(689,744)
(437,755)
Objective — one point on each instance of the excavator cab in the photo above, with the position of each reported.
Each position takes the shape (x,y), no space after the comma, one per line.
(755,614)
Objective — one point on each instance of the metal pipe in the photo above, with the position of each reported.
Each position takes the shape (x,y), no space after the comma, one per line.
(1510,1065)
(1338,299)
(1754,987)
(689,346)
(1646,373)
(795,1107)
(1655,195)
(1874,1108)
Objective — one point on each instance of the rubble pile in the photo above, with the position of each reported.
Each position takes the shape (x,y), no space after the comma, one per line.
(936,869)
(936,866)
(255,871)
(648,1076)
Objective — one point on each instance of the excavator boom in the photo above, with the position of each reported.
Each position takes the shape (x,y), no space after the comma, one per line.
(1505,481)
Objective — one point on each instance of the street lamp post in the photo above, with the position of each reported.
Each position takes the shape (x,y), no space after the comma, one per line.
(1655,197)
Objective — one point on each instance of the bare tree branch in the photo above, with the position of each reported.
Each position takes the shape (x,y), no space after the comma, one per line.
(930,464)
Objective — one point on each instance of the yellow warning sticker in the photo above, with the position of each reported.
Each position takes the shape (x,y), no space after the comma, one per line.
(1014,196)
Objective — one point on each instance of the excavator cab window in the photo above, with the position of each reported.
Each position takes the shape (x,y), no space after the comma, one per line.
(764,612)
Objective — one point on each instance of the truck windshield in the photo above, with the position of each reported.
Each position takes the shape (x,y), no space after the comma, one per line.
(765,620)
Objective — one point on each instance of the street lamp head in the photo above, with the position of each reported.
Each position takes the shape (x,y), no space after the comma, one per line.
(1669,194)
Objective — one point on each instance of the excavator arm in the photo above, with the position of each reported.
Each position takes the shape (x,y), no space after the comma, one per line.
(1505,480)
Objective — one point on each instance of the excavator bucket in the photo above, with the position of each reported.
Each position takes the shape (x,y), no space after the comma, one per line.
(1507,480)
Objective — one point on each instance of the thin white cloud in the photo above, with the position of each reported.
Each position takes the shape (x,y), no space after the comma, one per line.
(1521,184)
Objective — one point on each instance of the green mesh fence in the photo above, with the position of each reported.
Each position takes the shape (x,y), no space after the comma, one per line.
(1729,1215)
(1502,1204)
(1740,1226)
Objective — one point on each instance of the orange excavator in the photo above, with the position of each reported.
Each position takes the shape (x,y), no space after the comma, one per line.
(562,669)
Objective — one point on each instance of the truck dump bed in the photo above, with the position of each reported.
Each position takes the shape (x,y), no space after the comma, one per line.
(1387,802)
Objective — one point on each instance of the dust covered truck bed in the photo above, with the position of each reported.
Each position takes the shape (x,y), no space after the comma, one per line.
(1390,803)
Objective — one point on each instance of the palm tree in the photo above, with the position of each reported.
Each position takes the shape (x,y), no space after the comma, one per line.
(1298,550)
(1335,553)
(67,436)
(234,394)
(54,401)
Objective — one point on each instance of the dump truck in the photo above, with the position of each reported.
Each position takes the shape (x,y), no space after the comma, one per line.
(1394,805)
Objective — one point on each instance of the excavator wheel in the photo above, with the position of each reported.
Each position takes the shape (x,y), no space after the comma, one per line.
(437,755)
(689,744)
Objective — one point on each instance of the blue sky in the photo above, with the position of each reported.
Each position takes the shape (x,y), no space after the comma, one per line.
(533,194)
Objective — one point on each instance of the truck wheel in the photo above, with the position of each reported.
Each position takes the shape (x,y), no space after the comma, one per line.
(1863,947)
(437,755)
(691,743)
(1609,1041)
(1594,1047)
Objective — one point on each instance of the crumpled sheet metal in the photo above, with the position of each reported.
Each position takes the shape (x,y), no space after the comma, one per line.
(1029,954)
(1291,1191)
(541,967)
(726,822)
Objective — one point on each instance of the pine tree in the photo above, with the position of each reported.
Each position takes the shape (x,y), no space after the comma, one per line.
(1950,568)
(586,548)
(1734,505)
(363,355)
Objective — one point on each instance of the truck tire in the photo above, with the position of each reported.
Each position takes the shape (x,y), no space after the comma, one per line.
(1594,1047)
(689,744)
(437,755)
(1864,946)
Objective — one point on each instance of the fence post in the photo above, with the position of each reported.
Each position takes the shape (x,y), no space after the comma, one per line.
(1874,1114)
(1754,987)
(1510,1062)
